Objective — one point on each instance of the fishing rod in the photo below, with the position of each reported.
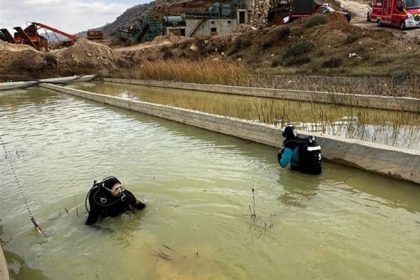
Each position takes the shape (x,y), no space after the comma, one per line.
(31,216)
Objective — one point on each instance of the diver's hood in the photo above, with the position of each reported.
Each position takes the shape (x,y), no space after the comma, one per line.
(109,182)
(289,132)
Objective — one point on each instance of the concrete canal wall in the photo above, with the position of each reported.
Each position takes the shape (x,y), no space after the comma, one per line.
(4,272)
(406,104)
(398,163)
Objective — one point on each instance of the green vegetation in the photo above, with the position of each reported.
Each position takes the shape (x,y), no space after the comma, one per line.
(238,44)
(351,38)
(50,59)
(316,20)
(298,49)
(332,62)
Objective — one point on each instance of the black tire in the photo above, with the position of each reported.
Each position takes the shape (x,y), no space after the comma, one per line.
(378,23)
(402,25)
(368,18)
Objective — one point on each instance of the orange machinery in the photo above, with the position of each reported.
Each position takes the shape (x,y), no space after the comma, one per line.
(30,36)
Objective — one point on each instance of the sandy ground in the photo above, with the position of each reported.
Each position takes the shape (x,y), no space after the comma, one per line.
(358,9)
(157,42)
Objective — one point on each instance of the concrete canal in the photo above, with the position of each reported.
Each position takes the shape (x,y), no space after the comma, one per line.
(399,129)
(197,184)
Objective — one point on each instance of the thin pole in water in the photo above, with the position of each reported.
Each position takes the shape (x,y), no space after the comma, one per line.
(31,216)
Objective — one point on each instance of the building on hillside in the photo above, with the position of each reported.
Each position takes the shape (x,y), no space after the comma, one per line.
(225,18)
(219,19)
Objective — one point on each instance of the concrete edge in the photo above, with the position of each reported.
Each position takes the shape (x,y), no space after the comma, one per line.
(407,104)
(4,271)
(393,162)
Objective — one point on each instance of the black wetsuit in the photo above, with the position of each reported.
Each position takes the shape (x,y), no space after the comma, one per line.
(103,204)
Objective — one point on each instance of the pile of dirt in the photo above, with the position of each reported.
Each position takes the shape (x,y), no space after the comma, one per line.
(89,57)
(7,47)
(17,59)
(22,62)
(171,38)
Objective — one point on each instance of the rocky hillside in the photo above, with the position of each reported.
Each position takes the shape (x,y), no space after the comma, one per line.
(126,19)
(158,8)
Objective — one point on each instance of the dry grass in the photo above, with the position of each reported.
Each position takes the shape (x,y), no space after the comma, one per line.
(203,72)
(401,83)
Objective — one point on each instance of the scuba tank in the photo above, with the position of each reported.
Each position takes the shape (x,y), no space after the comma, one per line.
(310,156)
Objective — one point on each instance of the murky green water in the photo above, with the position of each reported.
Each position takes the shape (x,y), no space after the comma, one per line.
(344,224)
(380,126)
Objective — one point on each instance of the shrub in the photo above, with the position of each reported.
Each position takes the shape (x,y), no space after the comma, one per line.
(298,49)
(316,20)
(297,32)
(238,44)
(166,52)
(164,49)
(321,53)
(333,62)
(276,61)
(283,33)
(402,76)
(351,38)
(382,60)
(275,36)
(50,59)
(296,61)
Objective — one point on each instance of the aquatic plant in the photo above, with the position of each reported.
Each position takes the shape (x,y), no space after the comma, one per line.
(252,209)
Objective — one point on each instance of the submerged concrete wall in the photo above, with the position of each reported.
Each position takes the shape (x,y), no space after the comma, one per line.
(398,163)
(406,104)
(4,272)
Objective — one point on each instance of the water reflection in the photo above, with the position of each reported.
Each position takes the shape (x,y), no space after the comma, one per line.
(14,100)
(386,191)
(298,188)
(400,129)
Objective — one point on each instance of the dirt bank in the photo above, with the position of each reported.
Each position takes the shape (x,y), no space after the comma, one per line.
(322,45)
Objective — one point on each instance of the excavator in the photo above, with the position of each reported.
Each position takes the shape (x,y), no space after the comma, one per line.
(31,37)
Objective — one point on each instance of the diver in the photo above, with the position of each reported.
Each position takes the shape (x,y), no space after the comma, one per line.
(108,198)
(303,154)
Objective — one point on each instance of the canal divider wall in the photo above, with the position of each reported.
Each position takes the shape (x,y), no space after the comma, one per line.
(394,162)
(407,104)
(4,272)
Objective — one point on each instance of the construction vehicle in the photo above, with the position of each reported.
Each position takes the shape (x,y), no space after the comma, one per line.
(145,29)
(94,35)
(303,8)
(399,13)
(30,36)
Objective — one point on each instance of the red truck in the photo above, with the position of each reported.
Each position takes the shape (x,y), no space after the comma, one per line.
(303,8)
(400,13)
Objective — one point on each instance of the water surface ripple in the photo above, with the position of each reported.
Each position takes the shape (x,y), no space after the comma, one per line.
(197,184)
